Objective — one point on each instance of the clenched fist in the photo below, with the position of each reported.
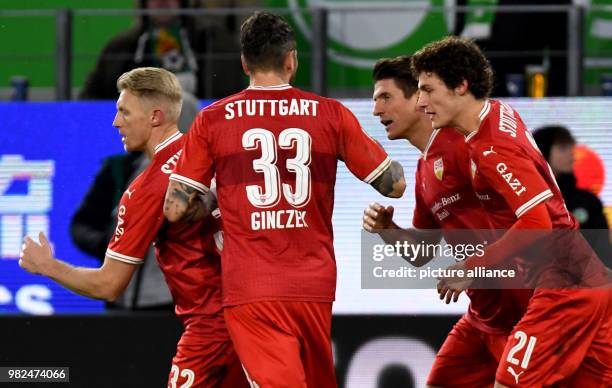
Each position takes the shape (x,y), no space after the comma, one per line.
(376,216)
(36,258)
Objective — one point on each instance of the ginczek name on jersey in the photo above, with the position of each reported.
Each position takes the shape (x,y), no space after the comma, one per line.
(278,219)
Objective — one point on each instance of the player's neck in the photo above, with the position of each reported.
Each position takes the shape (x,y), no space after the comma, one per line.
(266,79)
(420,134)
(158,136)
(469,118)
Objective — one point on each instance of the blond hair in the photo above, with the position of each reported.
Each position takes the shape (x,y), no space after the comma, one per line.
(155,84)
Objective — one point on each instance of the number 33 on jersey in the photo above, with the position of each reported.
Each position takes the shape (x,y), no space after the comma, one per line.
(275,171)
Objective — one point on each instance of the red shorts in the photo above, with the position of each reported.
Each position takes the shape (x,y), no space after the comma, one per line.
(283,344)
(565,336)
(468,358)
(214,365)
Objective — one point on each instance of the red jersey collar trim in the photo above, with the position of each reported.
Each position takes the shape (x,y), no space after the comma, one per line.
(177,135)
(485,110)
(430,142)
(470,135)
(482,115)
(274,87)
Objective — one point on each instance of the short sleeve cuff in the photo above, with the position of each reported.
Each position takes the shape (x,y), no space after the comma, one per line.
(378,171)
(190,182)
(543,196)
(120,257)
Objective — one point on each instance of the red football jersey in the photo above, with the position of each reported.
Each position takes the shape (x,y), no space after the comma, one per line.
(443,191)
(187,253)
(509,173)
(445,200)
(274,151)
(511,176)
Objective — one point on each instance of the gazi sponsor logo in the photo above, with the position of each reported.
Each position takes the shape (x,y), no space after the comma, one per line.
(514,183)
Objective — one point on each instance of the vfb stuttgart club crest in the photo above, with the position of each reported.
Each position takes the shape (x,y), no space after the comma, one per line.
(439,168)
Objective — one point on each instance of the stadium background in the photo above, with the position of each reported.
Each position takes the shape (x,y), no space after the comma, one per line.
(50,150)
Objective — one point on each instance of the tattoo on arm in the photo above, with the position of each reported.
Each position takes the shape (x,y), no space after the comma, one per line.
(201,206)
(182,194)
(391,182)
(182,202)
(195,211)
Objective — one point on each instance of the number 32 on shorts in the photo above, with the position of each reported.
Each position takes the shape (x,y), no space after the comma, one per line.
(187,374)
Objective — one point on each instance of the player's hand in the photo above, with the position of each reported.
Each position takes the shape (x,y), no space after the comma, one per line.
(449,288)
(376,216)
(208,204)
(36,258)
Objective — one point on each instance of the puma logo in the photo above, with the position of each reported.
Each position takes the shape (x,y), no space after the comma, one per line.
(129,193)
(513,373)
(489,152)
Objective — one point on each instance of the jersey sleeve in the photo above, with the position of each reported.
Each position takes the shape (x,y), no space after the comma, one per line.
(195,166)
(422,217)
(139,218)
(363,155)
(513,175)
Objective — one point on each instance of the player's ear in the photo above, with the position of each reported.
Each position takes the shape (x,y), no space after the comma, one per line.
(295,58)
(245,67)
(290,63)
(158,117)
(462,89)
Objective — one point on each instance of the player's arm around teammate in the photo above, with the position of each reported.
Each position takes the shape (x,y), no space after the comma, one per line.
(184,203)
(274,150)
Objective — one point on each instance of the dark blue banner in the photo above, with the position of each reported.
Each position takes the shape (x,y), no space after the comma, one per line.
(49,155)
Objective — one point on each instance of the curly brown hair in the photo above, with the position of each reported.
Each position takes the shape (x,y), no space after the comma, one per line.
(398,69)
(455,59)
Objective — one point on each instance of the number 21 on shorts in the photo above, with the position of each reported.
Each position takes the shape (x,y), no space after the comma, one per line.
(522,337)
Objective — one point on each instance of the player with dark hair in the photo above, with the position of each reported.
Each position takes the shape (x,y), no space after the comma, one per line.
(557,145)
(565,335)
(445,204)
(274,151)
(147,113)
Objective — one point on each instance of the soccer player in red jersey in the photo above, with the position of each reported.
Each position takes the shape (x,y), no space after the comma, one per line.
(564,337)
(147,113)
(445,203)
(274,150)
